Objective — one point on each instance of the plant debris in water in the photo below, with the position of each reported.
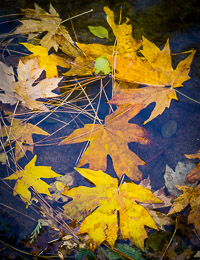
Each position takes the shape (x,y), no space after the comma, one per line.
(109,210)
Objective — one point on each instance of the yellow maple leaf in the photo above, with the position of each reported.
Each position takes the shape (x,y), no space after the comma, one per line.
(38,21)
(48,62)
(154,68)
(156,71)
(31,177)
(110,198)
(190,197)
(112,139)
(82,66)
(126,45)
(162,96)
(21,133)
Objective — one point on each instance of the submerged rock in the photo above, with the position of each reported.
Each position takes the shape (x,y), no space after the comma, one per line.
(169,128)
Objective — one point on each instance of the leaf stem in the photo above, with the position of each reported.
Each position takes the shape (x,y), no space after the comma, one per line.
(196,101)
(91,10)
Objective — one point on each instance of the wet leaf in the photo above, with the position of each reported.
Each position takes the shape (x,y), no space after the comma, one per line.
(146,96)
(154,68)
(38,21)
(99,31)
(85,254)
(190,197)
(106,199)
(31,177)
(3,158)
(102,65)
(7,78)
(126,46)
(122,250)
(28,73)
(21,133)
(112,139)
(48,62)
(194,174)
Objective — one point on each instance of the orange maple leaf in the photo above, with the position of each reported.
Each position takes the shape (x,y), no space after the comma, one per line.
(110,198)
(112,139)
(190,196)
(194,174)
(145,96)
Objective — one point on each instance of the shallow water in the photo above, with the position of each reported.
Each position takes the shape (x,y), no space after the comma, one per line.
(157,21)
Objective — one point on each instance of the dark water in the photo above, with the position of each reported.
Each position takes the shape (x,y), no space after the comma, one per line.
(157,21)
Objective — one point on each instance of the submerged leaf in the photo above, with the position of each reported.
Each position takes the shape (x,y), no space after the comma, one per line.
(99,31)
(177,177)
(190,197)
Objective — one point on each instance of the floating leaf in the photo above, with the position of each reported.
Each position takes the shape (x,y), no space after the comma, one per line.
(31,177)
(112,139)
(22,134)
(106,199)
(177,177)
(99,31)
(48,62)
(102,65)
(38,21)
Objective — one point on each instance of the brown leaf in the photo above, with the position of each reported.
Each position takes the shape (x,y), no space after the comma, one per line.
(22,134)
(190,197)
(39,21)
(194,174)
